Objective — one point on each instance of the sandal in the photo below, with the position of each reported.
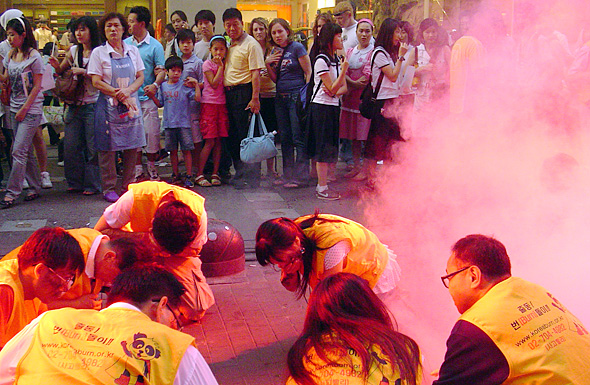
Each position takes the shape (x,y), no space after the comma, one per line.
(6,203)
(201,181)
(32,197)
(89,192)
(292,184)
(215,180)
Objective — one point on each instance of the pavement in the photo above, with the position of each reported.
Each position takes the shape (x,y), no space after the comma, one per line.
(245,336)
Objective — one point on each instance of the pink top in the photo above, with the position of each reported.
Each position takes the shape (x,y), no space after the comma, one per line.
(212,95)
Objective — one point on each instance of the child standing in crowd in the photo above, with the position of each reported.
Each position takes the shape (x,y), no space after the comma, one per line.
(192,76)
(175,97)
(214,121)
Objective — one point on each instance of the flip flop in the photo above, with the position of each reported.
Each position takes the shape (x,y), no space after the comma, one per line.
(5,204)
(31,197)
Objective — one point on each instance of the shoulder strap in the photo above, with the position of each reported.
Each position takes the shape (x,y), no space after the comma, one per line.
(381,75)
(327,60)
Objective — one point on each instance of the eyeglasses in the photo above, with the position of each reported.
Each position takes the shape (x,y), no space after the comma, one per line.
(176,319)
(447,278)
(64,282)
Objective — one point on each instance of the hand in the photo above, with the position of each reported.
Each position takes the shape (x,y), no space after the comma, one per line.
(191,82)
(150,90)
(274,58)
(403,48)
(122,93)
(219,61)
(290,281)
(344,64)
(88,301)
(20,115)
(327,91)
(78,71)
(254,105)
(363,81)
(54,62)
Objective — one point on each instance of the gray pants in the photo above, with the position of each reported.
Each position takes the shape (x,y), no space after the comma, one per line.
(24,163)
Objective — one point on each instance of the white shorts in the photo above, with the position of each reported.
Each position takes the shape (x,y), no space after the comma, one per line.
(151,125)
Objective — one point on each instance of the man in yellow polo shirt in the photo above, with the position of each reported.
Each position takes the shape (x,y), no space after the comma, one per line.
(176,221)
(129,342)
(104,260)
(45,268)
(510,331)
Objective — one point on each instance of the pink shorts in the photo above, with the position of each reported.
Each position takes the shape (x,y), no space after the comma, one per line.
(353,126)
(214,122)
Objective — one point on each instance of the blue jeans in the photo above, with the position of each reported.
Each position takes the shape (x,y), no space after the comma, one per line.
(292,138)
(24,163)
(80,155)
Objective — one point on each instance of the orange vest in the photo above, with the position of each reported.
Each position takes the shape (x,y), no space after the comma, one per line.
(23,311)
(367,257)
(147,197)
(542,341)
(113,346)
(82,285)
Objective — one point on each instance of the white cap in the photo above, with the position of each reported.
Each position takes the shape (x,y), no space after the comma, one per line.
(8,15)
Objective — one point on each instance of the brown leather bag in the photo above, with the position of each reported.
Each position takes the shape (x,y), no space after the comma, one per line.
(5,93)
(69,88)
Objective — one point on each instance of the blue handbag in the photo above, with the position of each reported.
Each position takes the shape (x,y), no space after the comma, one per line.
(256,149)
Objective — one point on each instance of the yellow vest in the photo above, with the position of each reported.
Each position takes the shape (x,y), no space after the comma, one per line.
(542,341)
(367,257)
(147,197)
(82,285)
(113,346)
(348,369)
(23,311)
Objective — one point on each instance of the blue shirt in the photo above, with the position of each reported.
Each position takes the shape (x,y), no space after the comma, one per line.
(152,55)
(193,67)
(291,76)
(176,99)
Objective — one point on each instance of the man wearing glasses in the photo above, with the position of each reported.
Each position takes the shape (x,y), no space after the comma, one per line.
(44,269)
(132,341)
(510,330)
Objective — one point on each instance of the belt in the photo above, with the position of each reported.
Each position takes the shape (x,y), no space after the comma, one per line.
(237,87)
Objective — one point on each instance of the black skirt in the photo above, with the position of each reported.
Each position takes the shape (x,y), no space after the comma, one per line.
(384,132)
(322,133)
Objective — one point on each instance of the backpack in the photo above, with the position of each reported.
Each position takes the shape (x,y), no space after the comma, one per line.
(307,94)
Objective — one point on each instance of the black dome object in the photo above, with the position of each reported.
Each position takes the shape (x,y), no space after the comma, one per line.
(223,254)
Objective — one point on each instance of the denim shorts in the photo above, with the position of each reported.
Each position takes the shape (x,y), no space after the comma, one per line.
(176,136)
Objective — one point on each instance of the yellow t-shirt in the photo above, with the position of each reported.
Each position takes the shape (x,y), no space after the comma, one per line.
(244,56)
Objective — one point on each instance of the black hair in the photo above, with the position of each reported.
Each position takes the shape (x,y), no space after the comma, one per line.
(174,62)
(175,225)
(185,34)
(53,247)
(170,28)
(485,252)
(385,37)
(29,42)
(70,25)
(143,282)
(180,14)
(48,48)
(131,250)
(90,23)
(113,15)
(326,38)
(143,14)
(205,14)
(232,13)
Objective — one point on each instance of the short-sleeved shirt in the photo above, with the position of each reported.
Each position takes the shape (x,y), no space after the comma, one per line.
(152,54)
(389,89)
(349,38)
(212,95)
(90,92)
(176,99)
(245,56)
(193,67)
(320,67)
(21,76)
(100,60)
(291,75)
(201,50)
(4,49)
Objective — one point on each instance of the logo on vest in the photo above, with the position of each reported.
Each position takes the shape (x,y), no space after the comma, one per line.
(139,352)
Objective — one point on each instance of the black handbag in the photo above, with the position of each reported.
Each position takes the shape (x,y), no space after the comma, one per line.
(368,106)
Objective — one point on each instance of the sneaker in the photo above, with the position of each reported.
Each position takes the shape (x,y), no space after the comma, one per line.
(328,195)
(188,183)
(153,174)
(111,197)
(25,185)
(46,180)
(61,163)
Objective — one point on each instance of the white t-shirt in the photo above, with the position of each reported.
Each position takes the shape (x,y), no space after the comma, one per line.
(389,89)
(321,67)
(100,60)
(349,37)
(201,50)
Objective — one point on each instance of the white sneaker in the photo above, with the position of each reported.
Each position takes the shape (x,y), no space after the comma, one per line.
(25,185)
(46,180)
(61,164)
(153,174)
